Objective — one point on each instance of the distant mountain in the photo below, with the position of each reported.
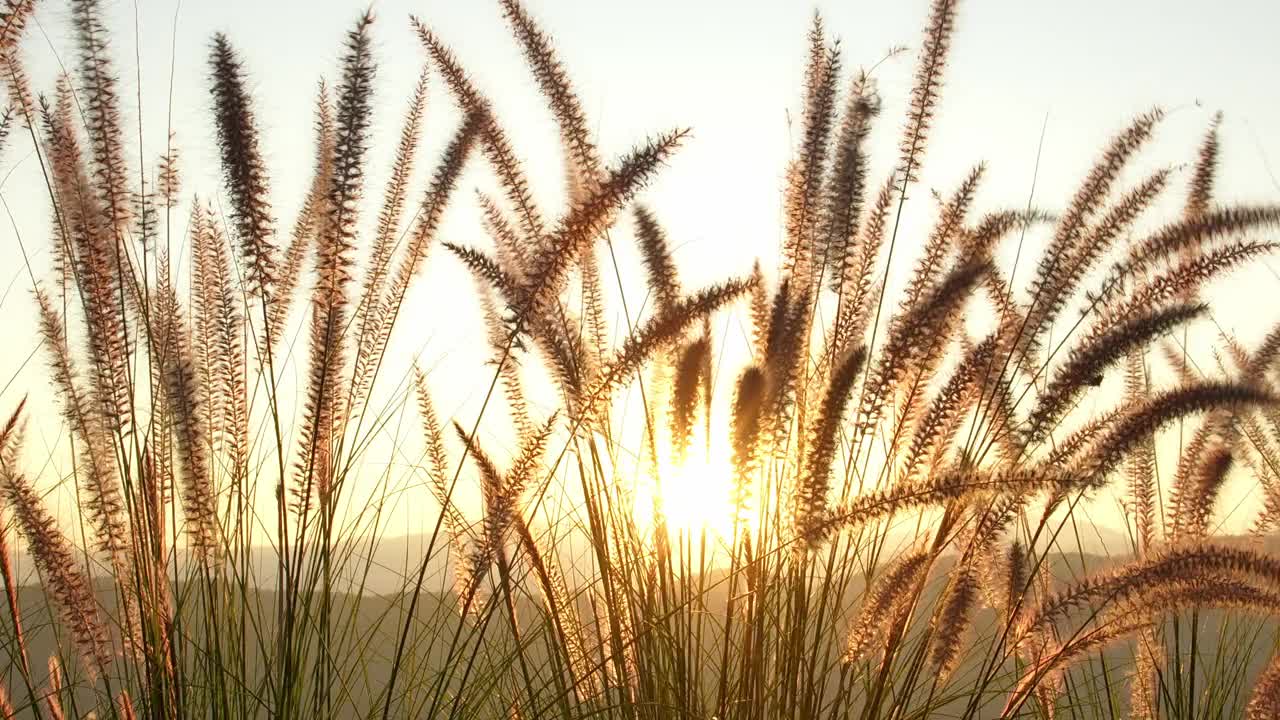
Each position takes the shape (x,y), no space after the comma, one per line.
(373,613)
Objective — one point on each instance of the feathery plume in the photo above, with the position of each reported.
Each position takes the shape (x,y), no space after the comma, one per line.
(659,266)
(954,620)
(916,339)
(554,83)
(1264,356)
(1094,244)
(101,113)
(592,303)
(586,221)
(1206,591)
(1144,686)
(218,319)
(856,300)
(659,333)
(369,312)
(747,403)
(1016,584)
(924,94)
(243,170)
(1097,352)
(1200,191)
(182,398)
(325,404)
(938,426)
(847,184)
(485,269)
(1182,279)
(493,139)
(805,172)
(1191,501)
(784,349)
(336,242)
(982,238)
(103,504)
(1056,266)
(1182,563)
(1097,184)
(944,487)
(68,587)
(498,505)
(950,223)
(811,495)
(1201,231)
(1140,467)
(396,193)
(1159,410)
(504,494)
(9,577)
(53,696)
(87,251)
(169,176)
(512,253)
(436,198)
(11,432)
(885,601)
(1047,669)
(434,202)
(466,573)
(13,23)
(6,124)
(690,378)
(310,220)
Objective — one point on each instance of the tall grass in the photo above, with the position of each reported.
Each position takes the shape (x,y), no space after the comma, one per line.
(908,471)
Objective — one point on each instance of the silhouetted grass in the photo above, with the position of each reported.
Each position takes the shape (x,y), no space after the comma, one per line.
(904,490)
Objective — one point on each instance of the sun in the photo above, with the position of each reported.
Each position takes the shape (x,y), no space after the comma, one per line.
(695,495)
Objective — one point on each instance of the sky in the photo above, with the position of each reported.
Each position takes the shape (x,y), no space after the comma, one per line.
(1027,80)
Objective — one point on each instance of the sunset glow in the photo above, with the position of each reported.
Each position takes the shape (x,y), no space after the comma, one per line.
(695,495)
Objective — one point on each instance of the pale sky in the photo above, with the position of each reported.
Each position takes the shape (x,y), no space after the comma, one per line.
(731,71)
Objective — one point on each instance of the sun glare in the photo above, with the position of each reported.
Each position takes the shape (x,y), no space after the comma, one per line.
(695,495)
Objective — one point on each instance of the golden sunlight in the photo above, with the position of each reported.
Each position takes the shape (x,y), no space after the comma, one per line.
(695,494)
(592,419)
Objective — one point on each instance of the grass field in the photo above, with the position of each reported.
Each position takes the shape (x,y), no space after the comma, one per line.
(883,507)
